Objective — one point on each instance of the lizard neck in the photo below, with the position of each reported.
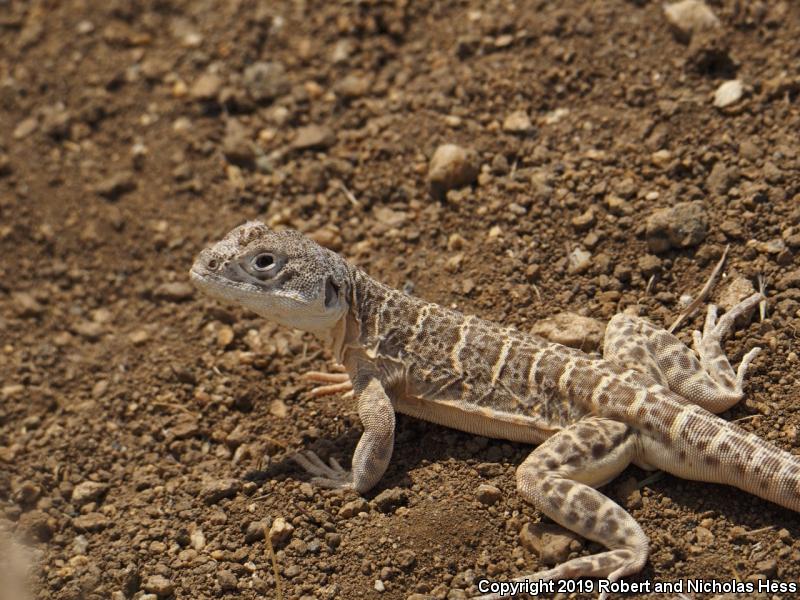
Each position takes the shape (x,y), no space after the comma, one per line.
(358,334)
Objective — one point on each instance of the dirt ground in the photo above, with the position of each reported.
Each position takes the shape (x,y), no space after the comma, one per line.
(145,432)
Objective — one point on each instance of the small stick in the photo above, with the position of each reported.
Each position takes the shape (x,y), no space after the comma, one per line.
(695,304)
(761,530)
(278,585)
(649,285)
(762,306)
(651,479)
(348,194)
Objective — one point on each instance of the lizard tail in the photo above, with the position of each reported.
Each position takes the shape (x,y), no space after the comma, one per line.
(701,446)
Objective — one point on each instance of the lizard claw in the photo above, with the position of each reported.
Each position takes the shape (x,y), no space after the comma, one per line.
(337,382)
(333,476)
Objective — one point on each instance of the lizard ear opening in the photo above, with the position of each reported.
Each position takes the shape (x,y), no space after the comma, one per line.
(331,293)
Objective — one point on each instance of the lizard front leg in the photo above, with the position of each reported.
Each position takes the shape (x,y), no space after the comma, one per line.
(374,449)
(337,382)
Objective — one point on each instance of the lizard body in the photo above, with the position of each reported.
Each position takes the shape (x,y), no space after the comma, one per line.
(649,401)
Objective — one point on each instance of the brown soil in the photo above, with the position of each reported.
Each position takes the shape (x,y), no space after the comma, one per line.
(116,169)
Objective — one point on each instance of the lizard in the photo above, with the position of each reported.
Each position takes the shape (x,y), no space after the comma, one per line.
(649,399)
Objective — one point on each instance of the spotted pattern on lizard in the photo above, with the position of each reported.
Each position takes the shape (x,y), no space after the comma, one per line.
(650,400)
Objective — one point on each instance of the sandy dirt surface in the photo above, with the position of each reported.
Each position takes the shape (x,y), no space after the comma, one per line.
(146,433)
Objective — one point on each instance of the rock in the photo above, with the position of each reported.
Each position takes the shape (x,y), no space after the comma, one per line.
(772,173)
(280,532)
(9,391)
(92,521)
(584,221)
(266,81)
(722,178)
(749,149)
(56,121)
(517,122)
(733,290)
(206,87)
(352,86)
(88,491)
(767,567)
(177,291)
(452,167)
(26,305)
(25,128)
(89,330)
(352,508)
(732,228)
(198,539)
(500,164)
(183,430)
(649,265)
(278,408)
(689,17)
(571,329)
(488,494)
(550,542)
(704,536)
(237,146)
(790,280)
(389,500)
(138,337)
(255,531)
(680,226)
(728,93)
(27,494)
(218,489)
(116,185)
(389,217)
(37,524)
(313,137)
(159,585)
(328,236)
(5,165)
(225,336)
(579,261)
(227,581)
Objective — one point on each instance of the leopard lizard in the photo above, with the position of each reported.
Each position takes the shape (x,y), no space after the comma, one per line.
(650,400)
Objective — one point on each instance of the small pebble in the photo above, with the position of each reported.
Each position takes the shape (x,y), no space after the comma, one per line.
(488,494)
(728,93)
(452,167)
(280,532)
(159,585)
(517,122)
(688,17)
(313,137)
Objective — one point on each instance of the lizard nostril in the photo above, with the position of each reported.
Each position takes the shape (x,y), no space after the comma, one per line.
(212,264)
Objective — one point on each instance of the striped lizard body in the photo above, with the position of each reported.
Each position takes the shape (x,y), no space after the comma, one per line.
(649,400)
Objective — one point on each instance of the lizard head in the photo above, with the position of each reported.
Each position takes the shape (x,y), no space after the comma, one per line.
(281,275)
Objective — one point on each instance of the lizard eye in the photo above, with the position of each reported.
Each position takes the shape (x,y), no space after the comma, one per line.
(263,262)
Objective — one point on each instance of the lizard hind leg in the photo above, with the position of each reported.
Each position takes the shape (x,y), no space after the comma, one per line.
(708,344)
(710,381)
(559,478)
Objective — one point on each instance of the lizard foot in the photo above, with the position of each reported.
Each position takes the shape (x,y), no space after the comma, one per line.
(708,343)
(336,383)
(333,476)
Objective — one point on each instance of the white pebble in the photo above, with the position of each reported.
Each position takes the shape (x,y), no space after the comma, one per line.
(728,93)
